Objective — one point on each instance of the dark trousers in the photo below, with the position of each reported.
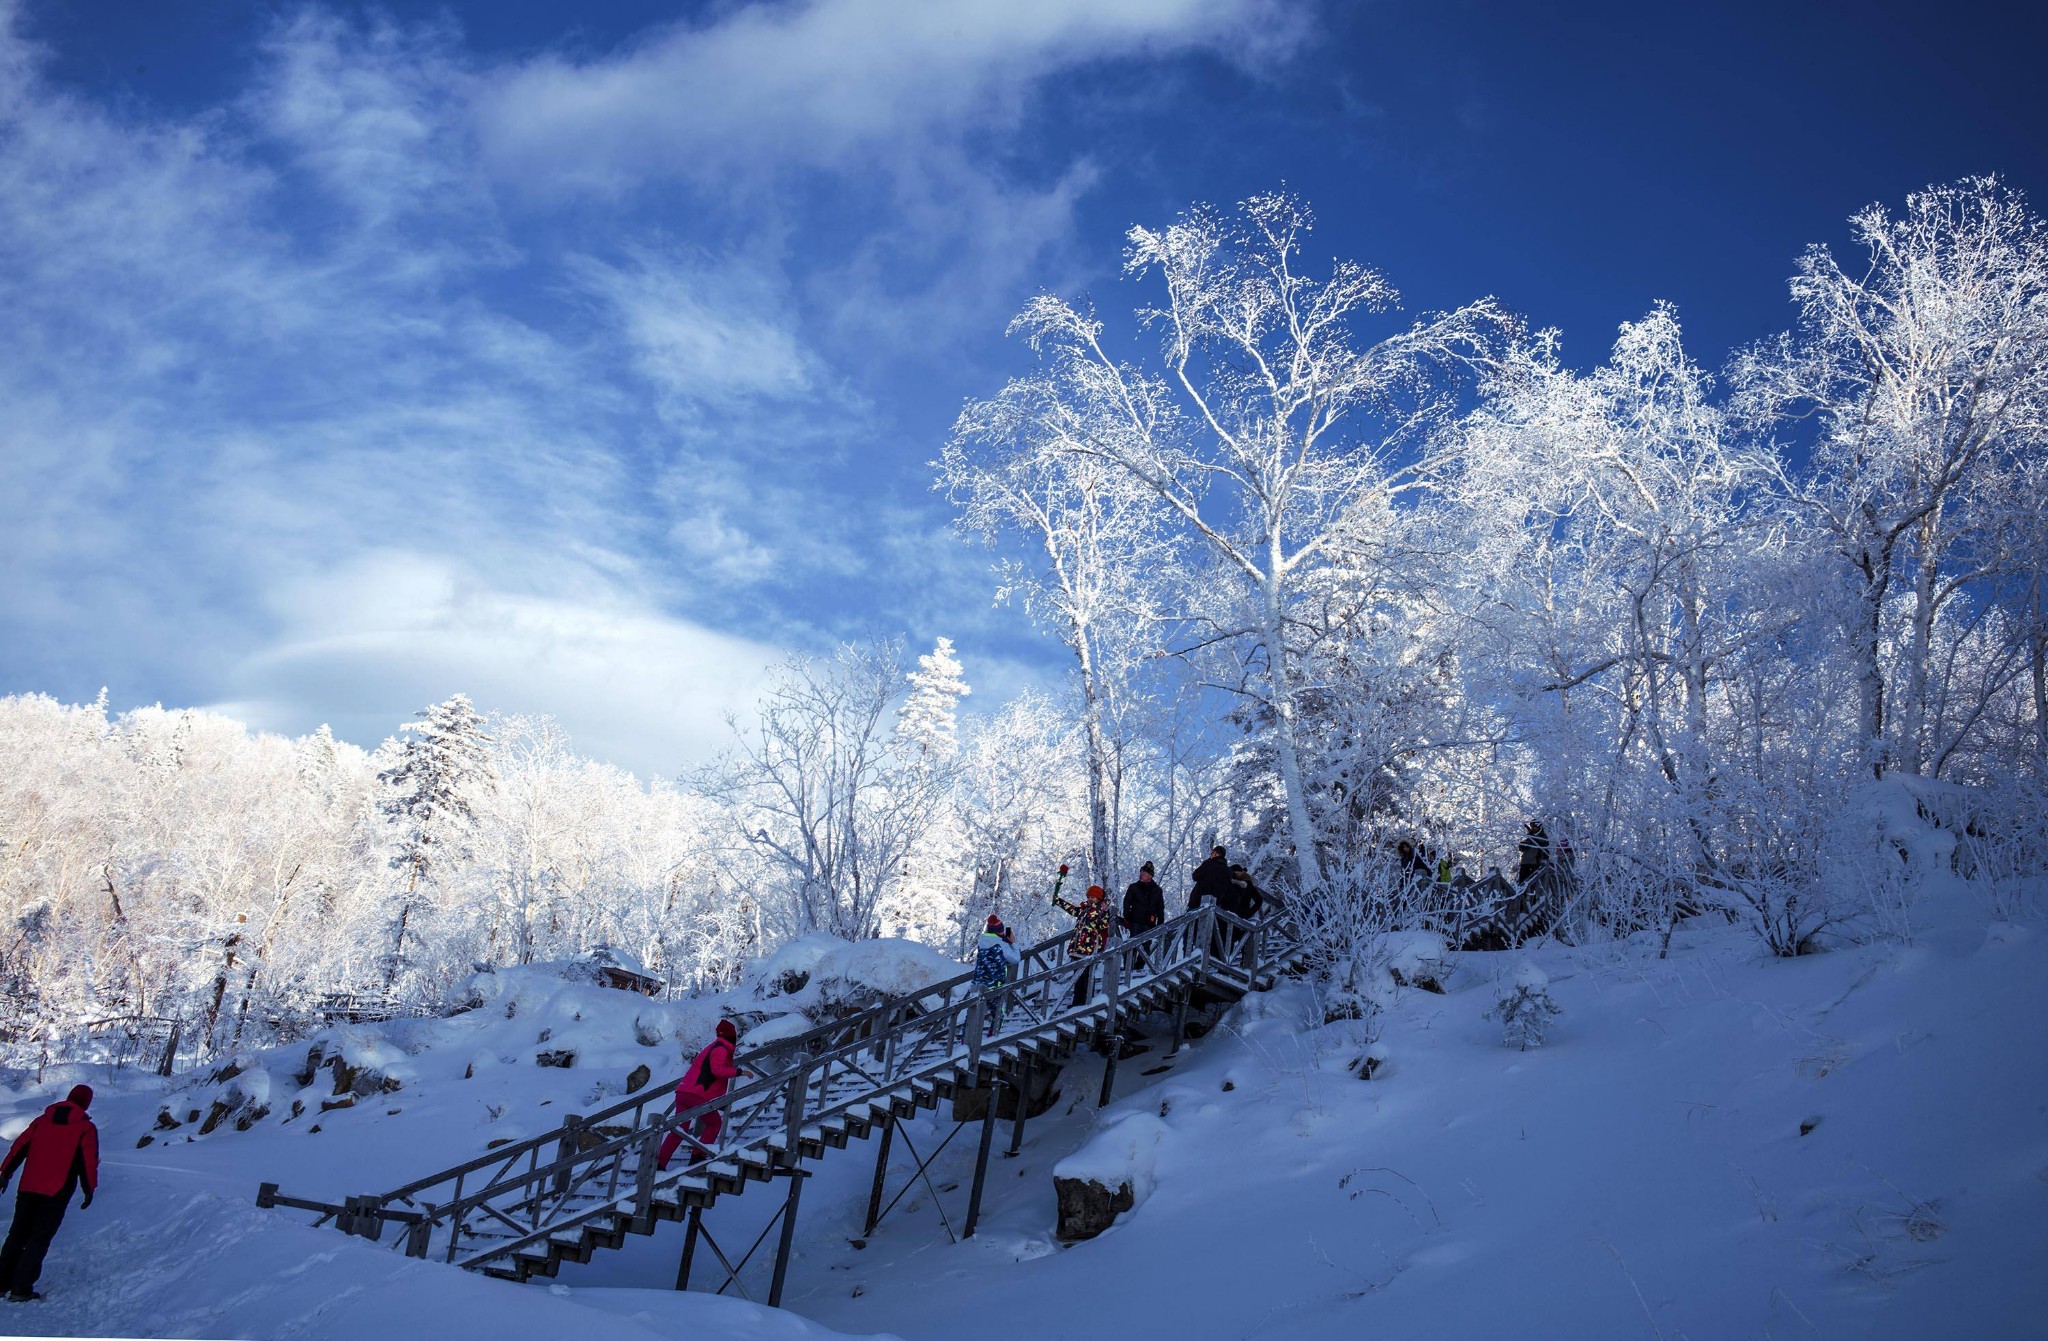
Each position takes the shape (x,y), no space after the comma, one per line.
(36,1217)
(1082,983)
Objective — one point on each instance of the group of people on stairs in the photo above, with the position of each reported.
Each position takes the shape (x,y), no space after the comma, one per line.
(997,961)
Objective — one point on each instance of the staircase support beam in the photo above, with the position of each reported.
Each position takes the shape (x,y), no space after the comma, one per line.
(988,1136)
(881,1176)
(782,1246)
(691,1228)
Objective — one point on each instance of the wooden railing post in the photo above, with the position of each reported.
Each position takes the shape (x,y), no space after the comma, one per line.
(974,1025)
(455,1214)
(643,1184)
(793,1113)
(569,1146)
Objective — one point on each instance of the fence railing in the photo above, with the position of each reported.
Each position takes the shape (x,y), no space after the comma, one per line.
(606,1163)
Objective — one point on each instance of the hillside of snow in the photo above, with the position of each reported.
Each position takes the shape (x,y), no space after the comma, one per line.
(1710,1145)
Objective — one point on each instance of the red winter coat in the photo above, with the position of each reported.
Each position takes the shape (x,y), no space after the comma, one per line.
(710,1072)
(59,1146)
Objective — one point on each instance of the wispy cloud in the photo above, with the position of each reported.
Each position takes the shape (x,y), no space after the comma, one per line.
(704,332)
(824,84)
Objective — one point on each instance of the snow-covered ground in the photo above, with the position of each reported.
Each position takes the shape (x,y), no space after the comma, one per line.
(1713,1145)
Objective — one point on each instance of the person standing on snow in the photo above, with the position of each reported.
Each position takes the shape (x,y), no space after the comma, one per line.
(710,1074)
(58,1151)
(996,958)
(1092,924)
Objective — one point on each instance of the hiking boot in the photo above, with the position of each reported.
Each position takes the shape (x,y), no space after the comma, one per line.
(22,1296)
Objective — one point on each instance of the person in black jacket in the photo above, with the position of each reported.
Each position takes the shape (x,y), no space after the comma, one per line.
(1144,903)
(1242,897)
(1212,880)
(1534,852)
(1144,908)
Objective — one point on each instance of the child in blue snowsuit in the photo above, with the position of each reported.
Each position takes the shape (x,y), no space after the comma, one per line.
(995,957)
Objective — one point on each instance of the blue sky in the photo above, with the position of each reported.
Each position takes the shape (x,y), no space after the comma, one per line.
(356,355)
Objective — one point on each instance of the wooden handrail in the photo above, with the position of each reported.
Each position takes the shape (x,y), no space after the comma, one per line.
(899,1043)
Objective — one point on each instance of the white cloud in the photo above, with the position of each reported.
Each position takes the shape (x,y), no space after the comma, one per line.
(824,83)
(364,644)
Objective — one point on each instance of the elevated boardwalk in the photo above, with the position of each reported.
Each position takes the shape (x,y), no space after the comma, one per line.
(525,1208)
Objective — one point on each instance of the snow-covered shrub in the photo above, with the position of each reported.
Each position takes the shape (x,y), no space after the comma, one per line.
(1525,1008)
(2002,848)
(1343,927)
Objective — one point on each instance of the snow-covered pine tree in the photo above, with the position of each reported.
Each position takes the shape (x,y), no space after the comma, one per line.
(928,721)
(442,763)
(1525,1009)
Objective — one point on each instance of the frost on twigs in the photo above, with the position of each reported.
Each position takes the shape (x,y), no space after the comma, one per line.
(1525,1009)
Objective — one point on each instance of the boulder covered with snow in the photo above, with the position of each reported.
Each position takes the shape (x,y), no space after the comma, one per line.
(824,978)
(1417,959)
(1110,1175)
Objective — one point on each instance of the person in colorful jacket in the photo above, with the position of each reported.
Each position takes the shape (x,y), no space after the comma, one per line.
(56,1153)
(1093,920)
(711,1073)
(996,959)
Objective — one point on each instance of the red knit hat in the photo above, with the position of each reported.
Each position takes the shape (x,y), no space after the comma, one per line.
(728,1031)
(1097,892)
(80,1095)
(994,923)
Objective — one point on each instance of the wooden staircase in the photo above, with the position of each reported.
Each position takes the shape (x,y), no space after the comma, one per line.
(524,1209)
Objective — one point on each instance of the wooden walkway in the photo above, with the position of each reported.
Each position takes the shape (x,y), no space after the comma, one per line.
(523,1209)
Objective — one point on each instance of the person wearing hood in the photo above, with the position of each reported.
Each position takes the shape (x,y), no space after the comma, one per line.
(711,1073)
(59,1151)
(996,959)
(1092,923)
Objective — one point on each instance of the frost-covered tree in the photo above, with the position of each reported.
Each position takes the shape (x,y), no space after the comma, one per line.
(929,720)
(1920,375)
(443,765)
(1525,1008)
(1622,551)
(820,796)
(1103,562)
(1266,426)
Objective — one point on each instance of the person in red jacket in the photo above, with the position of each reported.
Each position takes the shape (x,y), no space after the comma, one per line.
(60,1150)
(711,1072)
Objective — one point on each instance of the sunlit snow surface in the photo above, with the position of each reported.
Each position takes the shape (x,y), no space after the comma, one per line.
(1643,1174)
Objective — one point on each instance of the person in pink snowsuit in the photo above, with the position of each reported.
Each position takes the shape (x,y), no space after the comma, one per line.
(711,1071)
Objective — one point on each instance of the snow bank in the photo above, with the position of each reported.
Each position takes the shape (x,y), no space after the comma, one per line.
(155,1257)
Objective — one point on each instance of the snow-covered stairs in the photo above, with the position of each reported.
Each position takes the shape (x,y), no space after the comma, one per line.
(523,1210)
